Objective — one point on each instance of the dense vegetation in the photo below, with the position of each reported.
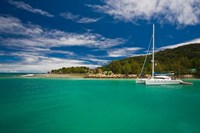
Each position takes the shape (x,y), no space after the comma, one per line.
(181,60)
(69,70)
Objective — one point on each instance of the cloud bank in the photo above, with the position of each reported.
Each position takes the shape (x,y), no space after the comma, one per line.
(179,12)
(32,46)
(36,36)
(195,41)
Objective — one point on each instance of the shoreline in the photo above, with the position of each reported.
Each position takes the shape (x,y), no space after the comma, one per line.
(54,76)
(82,76)
(78,76)
(86,76)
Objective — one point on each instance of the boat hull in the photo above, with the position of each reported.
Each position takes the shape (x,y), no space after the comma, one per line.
(162,82)
(140,81)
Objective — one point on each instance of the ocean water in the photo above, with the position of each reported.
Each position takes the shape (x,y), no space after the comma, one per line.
(36,105)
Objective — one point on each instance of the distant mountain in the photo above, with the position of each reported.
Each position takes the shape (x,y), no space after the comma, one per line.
(181,60)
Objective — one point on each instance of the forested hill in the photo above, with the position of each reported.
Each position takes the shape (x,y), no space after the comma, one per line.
(183,60)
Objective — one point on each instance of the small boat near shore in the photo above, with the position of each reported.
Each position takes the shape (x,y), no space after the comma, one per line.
(27,75)
(186,83)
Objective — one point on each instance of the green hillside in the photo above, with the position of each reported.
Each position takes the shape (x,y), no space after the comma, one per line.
(183,60)
(69,70)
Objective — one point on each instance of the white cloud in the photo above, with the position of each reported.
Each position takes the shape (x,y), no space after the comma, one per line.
(33,46)
(86,40)
(78,18)
(95,60)
(32,61)
(36,36)
(12,25)
(180,12)
(42,64)
(195,41)
(123,52)
(88,20)
(27,7)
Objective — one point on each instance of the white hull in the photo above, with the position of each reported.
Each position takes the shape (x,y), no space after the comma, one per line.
(162,82)
(140,81)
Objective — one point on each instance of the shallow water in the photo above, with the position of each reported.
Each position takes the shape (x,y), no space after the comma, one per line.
(30,105)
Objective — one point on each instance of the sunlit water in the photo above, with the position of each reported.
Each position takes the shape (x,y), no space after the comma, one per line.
(33,105)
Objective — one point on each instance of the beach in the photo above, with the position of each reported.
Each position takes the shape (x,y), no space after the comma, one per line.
(92,76)
(116,76)
(54,75)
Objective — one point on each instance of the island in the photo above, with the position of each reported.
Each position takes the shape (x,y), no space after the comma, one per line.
(184,61)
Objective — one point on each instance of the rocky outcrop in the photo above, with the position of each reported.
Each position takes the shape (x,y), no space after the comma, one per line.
(111,76)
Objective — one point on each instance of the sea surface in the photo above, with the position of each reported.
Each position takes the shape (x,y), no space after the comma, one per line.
(36,105)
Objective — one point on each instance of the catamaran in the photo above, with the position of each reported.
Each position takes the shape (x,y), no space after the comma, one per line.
(161,79)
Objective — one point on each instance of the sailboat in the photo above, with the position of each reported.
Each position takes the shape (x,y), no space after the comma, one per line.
(157,79)
(161,79)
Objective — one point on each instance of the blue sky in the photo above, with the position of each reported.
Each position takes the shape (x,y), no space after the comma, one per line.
(37,36)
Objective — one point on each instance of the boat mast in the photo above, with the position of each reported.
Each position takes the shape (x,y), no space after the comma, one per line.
(153,52)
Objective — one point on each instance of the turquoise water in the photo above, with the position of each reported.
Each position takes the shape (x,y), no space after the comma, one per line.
(31,105)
